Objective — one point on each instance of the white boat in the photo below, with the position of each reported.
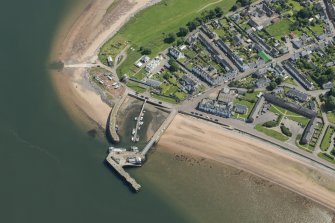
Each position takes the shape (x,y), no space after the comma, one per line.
(135,118)
(133,132)
(134,148)
(141,123)
(141,118)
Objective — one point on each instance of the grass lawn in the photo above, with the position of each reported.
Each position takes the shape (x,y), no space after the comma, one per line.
(318,29)
(246,103)
(149,27)
(136,87)
(326,157)
(290,115)
(327,139)
(272,133)
(251,96)
(296,5)
(297,118)
(303,147)
(164,98)
(331,117)
(279,29)
(181,95)
(290,80)
(276,109)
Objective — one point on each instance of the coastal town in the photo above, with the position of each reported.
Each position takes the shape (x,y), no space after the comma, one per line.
(265,69)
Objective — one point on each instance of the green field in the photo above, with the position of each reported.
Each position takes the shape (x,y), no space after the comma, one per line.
(149,27)
(279,29)
(327,139)
(272,133)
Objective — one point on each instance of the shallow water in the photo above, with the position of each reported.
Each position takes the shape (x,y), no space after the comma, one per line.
(52,171)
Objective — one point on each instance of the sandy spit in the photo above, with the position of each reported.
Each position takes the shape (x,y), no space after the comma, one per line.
(80,43)
(199,138)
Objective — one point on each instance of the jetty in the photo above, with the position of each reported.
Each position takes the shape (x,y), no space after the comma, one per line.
(112,120)
(118,167)
(138,122)
(155,138)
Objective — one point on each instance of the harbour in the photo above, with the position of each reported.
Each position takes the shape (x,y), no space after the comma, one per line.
(119,157)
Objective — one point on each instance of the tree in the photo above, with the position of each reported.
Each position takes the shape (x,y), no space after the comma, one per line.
(211,14)
(146,51)
(173,65)
(180,41)
(304,13)
(272,86)
(279,80)
(286,131)
(193,25)
(218,12)
(170,38)
(182,31)
(244,2)
(332,92)
(330,103)
(270,124)
(234,8)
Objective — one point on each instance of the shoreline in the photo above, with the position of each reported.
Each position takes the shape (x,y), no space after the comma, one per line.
(80,40)
(260,159)
(86,108)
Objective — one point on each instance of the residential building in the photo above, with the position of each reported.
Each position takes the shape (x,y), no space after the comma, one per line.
(209,74)
(216,108)
(298,76)
(175,53)
(262,82)
(189,85)
(152,65)
(297,95)
(231,55)
(308,132)
(208,31)
(241,109)
(327,85)
(289,106)
(256,109)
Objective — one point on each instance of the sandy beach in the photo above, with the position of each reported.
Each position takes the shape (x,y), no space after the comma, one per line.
(80,43)
(201,139)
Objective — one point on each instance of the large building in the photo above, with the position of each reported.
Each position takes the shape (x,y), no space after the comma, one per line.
(297,95)
(176,53)
(298,76)
(309,131)
(232,56)
(290,106)
(209,74)
(216,108)
(256,109)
